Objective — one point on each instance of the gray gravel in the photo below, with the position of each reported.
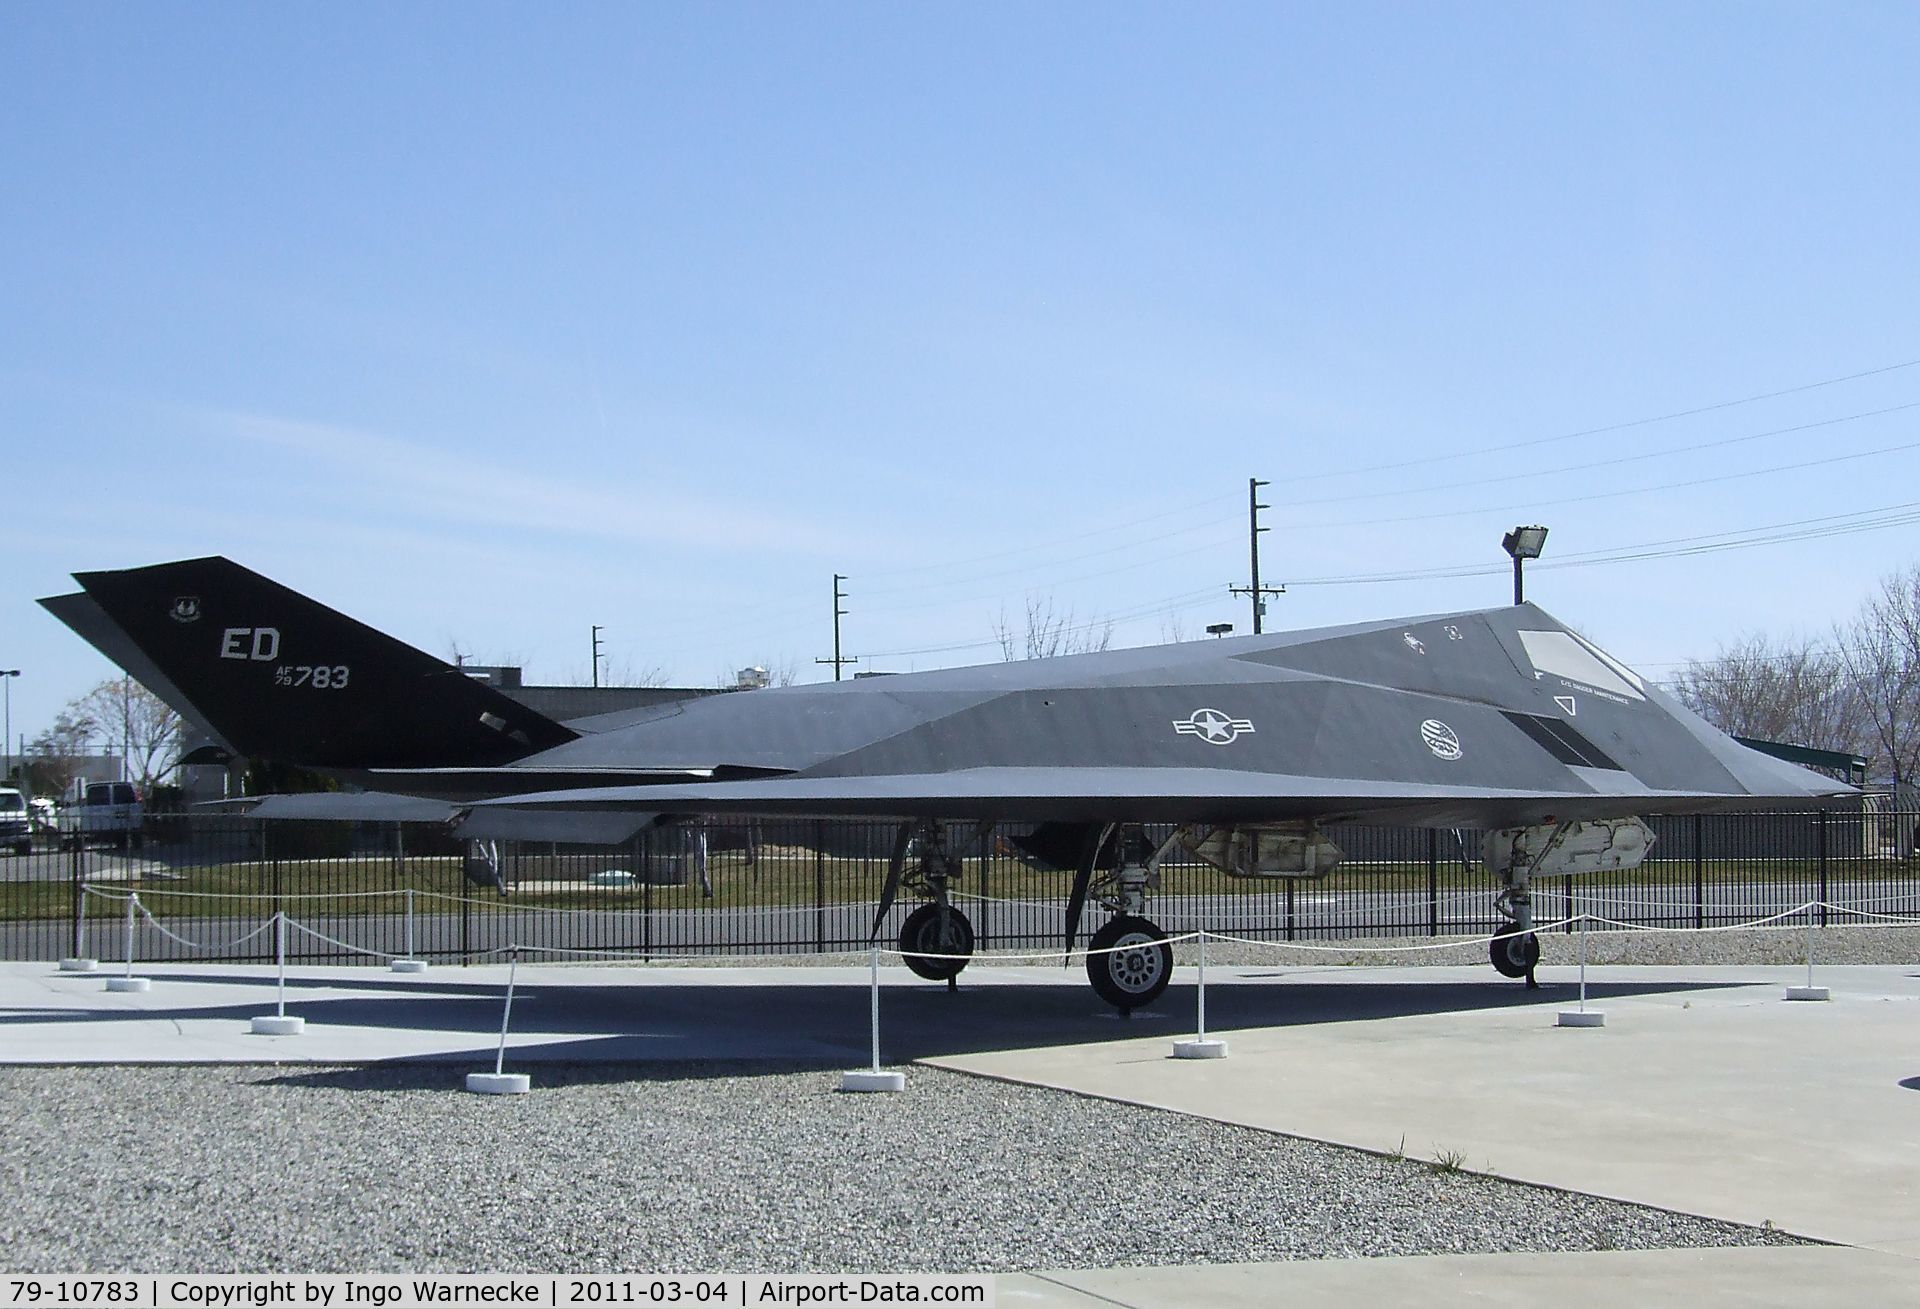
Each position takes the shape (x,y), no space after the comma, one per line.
(711,1169)
(1678,949)
(1717,948)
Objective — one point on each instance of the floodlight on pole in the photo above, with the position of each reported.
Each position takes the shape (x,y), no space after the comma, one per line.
(1523,543)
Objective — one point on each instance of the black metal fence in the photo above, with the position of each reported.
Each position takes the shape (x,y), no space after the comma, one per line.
(207,886)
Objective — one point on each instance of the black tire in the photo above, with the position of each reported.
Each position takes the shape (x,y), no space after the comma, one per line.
(936,931)
(24,848)
(1514,956)
(1130,963)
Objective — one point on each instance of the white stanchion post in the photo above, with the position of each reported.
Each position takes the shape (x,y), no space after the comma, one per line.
(500,1081)
(278,1023)
(1809,991)
(408,964)
(1200,1047)
(129,982)
(80,961)
(872,1078)
(1583,1016)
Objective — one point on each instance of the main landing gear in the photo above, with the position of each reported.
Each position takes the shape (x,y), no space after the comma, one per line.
(1128,960)
(936,941)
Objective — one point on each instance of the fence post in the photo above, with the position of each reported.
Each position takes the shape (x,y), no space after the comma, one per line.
(1699,872)
(1289,900)
(1433,881)
(819,886)
(79,893)
(986,884)
(273,862)
(1821,832)
(643,848)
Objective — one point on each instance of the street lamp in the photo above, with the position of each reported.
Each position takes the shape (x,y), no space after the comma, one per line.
(1523,543)
(1219,629)
(6,742)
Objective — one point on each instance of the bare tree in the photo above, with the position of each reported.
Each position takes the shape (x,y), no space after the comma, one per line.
(145,726)
(1049,632)
(1881,651)
(1794,691)
(624,672)
(53,757)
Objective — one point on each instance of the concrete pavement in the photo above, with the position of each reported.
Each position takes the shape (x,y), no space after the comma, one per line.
(1722,1099)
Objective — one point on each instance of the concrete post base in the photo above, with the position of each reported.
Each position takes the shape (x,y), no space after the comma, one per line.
(278,1025)
(1582,1018)
(1808,993)
(1208,1049)
(866,1079)
(78,965)
(408,966)
(129,984)
(499,1083)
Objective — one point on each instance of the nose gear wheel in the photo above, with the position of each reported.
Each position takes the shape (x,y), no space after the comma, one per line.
(1514,956)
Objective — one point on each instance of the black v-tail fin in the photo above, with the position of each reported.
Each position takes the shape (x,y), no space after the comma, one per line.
(283,677)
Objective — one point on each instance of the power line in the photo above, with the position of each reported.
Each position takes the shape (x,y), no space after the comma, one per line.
(1128,524)
(921,587)
(1147,609)
(1425,460)
(1668,452)
(1869,520)
(1615,495)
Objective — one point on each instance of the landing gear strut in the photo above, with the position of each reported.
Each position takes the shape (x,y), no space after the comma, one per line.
(936,941)
(1129,961)
(1515,950)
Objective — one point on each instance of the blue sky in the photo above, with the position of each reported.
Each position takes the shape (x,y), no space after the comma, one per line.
(487,323)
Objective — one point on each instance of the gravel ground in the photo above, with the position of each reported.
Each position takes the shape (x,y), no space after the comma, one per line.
(1772,945)
(1748,946)
(712,1169)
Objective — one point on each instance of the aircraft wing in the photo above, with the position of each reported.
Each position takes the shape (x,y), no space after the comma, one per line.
(1095,794)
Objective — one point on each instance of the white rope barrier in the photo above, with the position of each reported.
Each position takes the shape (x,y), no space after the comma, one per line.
(1476,939)
(197,945)
(1583,923)
(318,935)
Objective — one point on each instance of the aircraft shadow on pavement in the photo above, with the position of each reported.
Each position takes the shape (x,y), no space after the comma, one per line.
(724,1026)
(1911,1083)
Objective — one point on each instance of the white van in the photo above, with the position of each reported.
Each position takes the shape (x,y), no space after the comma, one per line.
(101,811)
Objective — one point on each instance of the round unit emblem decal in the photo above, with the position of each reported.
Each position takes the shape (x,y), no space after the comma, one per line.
(1440,739)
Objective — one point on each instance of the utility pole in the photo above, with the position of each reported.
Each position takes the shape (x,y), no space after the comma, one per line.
(596,654)
(838,661)
(1255,591)
(6,737)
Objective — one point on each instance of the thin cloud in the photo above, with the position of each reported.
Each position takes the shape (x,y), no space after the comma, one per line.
(460,488)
